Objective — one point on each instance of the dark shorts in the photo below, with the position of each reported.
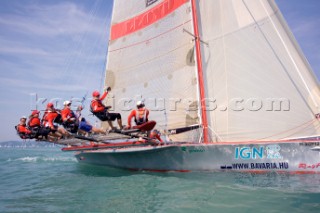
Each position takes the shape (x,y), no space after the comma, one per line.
(44,131)
(85,127)
(113,116)
(107,116)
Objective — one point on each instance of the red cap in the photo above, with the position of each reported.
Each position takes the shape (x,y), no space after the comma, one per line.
(95,93)
(49,105)
(35,112)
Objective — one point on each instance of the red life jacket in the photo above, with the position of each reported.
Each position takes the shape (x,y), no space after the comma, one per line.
(67,113)
(23,129)
(49,118)
(34,122)
(97,106)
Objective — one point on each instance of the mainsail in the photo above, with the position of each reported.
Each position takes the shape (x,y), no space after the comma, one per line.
(151,57)
(258,84)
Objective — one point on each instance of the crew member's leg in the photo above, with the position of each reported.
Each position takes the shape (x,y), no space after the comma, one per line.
(113,117)
(110,124)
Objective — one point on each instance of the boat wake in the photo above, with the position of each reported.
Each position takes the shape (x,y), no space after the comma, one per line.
(36,159)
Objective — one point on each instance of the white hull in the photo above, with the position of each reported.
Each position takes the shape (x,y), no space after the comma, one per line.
(291,157)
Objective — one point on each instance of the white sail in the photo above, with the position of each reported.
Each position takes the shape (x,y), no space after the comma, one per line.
(252,64)
(151,57)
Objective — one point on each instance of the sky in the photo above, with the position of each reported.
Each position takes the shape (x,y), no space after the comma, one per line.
(57,50)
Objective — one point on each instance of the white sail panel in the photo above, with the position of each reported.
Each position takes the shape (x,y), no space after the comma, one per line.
(154,61)
(257,79)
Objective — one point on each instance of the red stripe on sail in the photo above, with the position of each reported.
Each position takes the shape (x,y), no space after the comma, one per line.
(145,19)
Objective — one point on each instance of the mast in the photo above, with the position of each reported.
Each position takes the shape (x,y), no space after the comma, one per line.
(200,72)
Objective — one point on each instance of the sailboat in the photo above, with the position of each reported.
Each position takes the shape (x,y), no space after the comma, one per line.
(231,67)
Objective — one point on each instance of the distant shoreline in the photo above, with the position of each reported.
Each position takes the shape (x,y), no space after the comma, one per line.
(23,144)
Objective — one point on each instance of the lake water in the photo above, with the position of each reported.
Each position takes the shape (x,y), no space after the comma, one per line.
(45,179)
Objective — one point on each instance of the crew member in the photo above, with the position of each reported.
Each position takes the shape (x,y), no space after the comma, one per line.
(34,120)
(68,118)
(22,129)
(140,114)
(34,125)
(66,113)
(101,111)
(50,117)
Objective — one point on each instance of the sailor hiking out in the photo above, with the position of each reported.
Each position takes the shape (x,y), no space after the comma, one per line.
(50,119)
(34,124)
(22,128)
(69,120)
(101,111)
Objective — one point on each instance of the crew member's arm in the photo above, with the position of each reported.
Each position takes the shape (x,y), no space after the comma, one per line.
(147,115)
(132,115)
(104,95)
(106,90)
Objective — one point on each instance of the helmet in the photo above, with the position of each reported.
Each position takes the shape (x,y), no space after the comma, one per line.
(49,105)
(66,103)
(96,93)
(23,117)
(34,112)
(140,104)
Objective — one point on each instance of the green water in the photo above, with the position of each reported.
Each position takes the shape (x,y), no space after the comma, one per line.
(48,180)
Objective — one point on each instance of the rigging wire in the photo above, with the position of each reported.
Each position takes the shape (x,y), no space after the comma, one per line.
(278,58)
(291,57)
(73,76)
(82,52)
(71,61)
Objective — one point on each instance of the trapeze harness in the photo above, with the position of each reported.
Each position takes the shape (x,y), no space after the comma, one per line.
(141,119)
(103,115)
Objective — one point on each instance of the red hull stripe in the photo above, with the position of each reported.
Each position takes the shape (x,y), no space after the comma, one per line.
(100,146)
(145,19)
